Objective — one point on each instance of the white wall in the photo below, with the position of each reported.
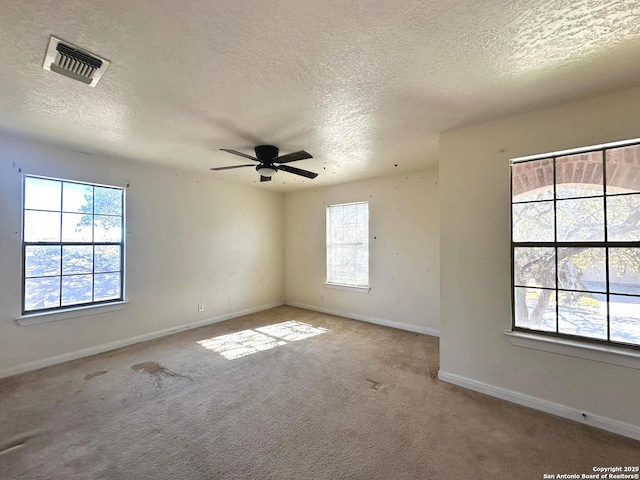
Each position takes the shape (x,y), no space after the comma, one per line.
(190,240)
(403,259)
(475,263)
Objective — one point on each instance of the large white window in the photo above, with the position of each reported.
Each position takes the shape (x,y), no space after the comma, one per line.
(576,245)
(73,244)
(348,244)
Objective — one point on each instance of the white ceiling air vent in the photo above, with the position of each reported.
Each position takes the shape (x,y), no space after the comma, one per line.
(73,62)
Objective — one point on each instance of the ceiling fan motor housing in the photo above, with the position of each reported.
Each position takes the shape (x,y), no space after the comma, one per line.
(267,153)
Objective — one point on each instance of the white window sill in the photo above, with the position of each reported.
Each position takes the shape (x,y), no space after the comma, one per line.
(74,312)
(351,288)
(574,348)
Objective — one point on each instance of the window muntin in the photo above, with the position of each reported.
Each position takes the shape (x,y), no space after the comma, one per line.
(73,244)
(575,229)
(348,244)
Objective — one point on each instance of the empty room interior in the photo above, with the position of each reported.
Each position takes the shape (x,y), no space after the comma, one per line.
(320,240)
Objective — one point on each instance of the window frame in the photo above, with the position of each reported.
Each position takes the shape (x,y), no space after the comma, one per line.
(606,244)
(346,286)
(122,244)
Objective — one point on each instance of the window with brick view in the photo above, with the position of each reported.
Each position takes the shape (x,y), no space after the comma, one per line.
(576,245)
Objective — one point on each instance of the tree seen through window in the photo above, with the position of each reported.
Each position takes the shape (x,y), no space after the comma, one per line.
(72,244)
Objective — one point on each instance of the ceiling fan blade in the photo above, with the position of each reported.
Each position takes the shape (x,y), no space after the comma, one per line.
(265,179)
(297,171)
(235,152)
(292,157)
(232,166)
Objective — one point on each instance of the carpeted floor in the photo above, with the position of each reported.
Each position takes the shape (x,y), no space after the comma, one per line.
(282,394)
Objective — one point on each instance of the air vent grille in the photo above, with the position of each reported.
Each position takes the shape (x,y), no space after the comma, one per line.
(72,62)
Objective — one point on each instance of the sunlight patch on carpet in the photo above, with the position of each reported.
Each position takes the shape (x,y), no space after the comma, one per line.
(292,331)
(246,342)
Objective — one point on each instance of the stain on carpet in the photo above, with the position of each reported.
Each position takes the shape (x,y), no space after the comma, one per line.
(424,370)
(158,372)
(417,369)
(374,385)
(10,384)
(95,374)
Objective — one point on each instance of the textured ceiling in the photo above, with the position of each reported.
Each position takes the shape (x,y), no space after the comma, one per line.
(363,86)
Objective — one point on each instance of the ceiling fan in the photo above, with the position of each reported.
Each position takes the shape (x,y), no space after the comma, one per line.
(267,158)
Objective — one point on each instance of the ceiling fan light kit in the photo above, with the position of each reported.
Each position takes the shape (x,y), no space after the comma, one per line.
(266,171)
(267,158)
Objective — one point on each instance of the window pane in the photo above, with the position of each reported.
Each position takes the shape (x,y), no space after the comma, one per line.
(334,256)
(533,222)
(532,180)
(108,229)
(337,235)
(623,218)
(362,233)
(624,270)
(334,264)
(108,201)
(335,275)
(76,289)
(344,269)
(107,258)
(349,277)
(362,276)
(77,259)
(41,226)
(535,309)
(362,214)
(41,293)
(579,175)
(42,261)
(580,220)
(77,198)
(42,194)
(582,269)
(107,286)
(76,227)
(625,319)
(350,214)
(583,314)
(535,267)
(622,168)
(349,257)
(349,233)
(337,215)
(362,255)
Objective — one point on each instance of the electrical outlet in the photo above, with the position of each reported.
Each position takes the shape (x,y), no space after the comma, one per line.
(200,307)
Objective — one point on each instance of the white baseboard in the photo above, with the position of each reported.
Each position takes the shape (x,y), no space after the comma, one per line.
(378,321)
(557,409)
(87,352)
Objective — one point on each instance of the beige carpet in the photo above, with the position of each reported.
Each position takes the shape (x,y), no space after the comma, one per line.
(283,394)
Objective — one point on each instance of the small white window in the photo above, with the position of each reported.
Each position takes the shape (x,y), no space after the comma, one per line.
(72,244)
(348,244)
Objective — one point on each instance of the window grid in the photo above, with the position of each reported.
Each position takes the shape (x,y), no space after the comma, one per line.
(348,239)
(606,245)
(603,158)
(94,217)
